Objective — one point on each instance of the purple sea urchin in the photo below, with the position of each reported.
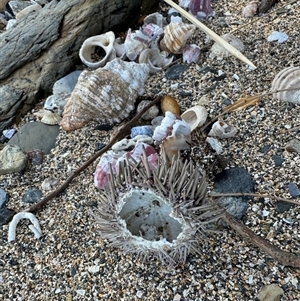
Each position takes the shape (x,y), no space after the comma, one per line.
(159,212)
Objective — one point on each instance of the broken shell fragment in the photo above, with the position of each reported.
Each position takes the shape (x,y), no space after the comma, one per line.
(287,78)
(135,43)
(88,51)
(251,9)
(154,59)
(51,117)
(175,37)
(195,116)
(190,53)
(169,103)
(222,130)
(155,18)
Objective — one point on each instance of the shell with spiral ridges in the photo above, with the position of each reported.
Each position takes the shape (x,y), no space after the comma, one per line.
(106,94)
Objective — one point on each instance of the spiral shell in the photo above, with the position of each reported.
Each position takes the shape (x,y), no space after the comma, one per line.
(176,35)
(104,95)
(285,79)
(250,10)
(104,41)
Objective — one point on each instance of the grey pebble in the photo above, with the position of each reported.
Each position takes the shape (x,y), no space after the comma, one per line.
(6,215)
(277,160)
(293,189)
(175,71)
(3,198)
(32,195)
(283,206)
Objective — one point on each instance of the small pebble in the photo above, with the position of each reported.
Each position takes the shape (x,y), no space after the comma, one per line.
(175,71)
(293,190)
(32,195)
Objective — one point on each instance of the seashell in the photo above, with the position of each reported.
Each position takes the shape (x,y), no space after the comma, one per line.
(89,50)
(215,145)
(104,94)
(135,43)
(222,130)
(250,10)
(286,79)
(155,60)
(49,183)
(144,130)
(168,103)
(51,117)
(174,15)
(151,113)
(175,37)
(190,53)
(129,143)
(173,144)
(219,52)
(195,116)
(155,18)
(278,36)
(154,33)
(119,48)
(24,12)
(201,8)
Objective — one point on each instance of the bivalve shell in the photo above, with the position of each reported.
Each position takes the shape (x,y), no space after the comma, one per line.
(170,104)
(288,78)
(195,116)
(176,35)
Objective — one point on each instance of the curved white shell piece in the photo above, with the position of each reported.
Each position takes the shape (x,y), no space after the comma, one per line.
(195,116)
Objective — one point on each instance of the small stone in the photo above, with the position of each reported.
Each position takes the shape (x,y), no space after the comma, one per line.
(234,206)
(175,71)
(177,297)
(32,195)
(80,292)
(94,269)
(293,190)
(3,198)
(265,149)
(66,84)
(293,146)
(270,292)
(278,36)
(277,160)
(35,135)
(6,215)
(283,206)
(12,159)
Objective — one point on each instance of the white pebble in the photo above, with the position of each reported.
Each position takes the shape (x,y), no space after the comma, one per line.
(80,292)
(236,77)
(265,213)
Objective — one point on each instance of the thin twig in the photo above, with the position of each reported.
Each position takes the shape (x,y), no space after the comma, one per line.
(76,172)
(283,257)
(218,195)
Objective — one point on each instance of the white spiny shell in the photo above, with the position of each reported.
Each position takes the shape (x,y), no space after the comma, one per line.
(251,9)
(155,59)
(176,35)
(104,41)
(285,79)
(104,95)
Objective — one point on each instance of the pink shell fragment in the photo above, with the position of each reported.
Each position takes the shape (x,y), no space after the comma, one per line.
(190,53)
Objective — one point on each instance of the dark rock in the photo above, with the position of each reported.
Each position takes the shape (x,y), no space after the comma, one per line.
(278,160)
(184,93)
(6,215)
(235,180)
(99,145)
(283,206)
(32,195)
(36,135)
(293,189)
(175,71)
(265,149)
(104,127)
(227,101)
(293,146)
(3,198)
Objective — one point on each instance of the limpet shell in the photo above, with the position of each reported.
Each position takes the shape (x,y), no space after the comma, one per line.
(285,79)
(168,103)
(195,116)
(50,117)
(176,35)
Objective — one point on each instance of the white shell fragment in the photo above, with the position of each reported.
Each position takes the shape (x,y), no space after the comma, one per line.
(251,9)
(287,78)
(219,52)
(129,143)
(50,117)
(135,43)
(35,227)
(278,36)
(190,53)
(215,145)
(88,48)
(155,18)
(222,130)
(195,116)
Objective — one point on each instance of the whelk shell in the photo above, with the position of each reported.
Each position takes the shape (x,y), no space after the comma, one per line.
(195,116)
(105,95)
(285,79)
(176,35)
(89,47)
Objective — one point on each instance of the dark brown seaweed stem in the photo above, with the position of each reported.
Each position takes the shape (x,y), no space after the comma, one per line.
(75,173)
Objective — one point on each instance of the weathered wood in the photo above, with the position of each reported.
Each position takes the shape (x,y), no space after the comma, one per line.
(44,46)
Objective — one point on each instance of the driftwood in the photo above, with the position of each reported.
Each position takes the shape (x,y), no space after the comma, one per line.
(44,46)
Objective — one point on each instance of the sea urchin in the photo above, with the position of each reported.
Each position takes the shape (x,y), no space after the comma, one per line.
(159,212)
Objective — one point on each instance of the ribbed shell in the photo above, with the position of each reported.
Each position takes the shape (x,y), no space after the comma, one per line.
(98,94)
(176,35)
(287,78)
